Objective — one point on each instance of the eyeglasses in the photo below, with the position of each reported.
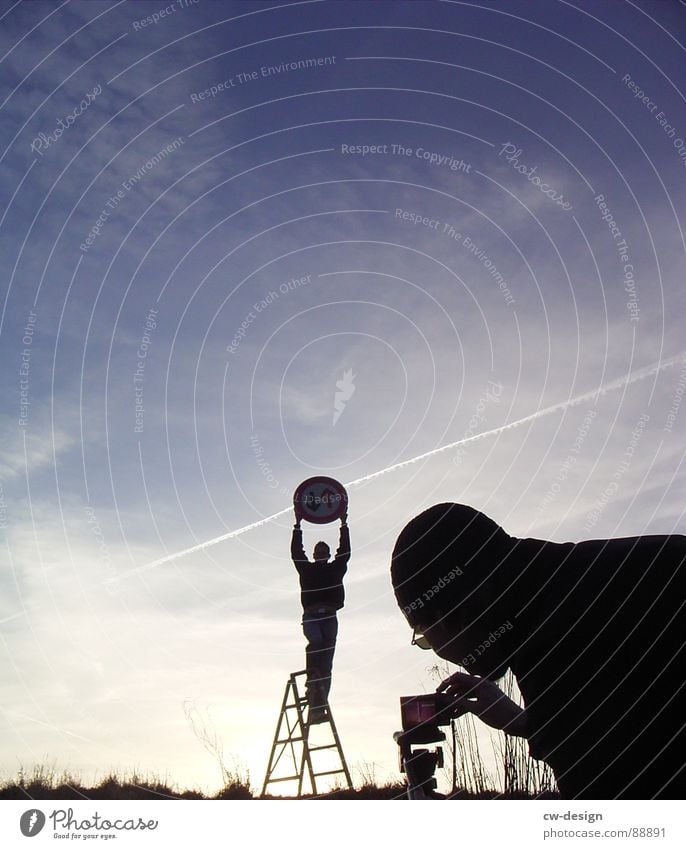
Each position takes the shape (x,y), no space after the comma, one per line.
(419,640)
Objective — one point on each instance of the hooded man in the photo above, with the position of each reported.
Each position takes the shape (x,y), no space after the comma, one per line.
(321,595)
(593,631)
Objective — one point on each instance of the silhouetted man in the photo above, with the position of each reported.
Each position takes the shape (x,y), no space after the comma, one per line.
(593,631)
(322,595)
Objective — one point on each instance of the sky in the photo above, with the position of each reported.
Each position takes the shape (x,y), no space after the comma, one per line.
(246,243)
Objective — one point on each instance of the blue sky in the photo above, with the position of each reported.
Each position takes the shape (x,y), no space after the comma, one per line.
(473,209)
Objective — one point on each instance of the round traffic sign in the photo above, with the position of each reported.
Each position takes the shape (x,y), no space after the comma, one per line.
(321,500)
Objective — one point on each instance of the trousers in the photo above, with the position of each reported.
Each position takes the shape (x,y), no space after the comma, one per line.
(321,630)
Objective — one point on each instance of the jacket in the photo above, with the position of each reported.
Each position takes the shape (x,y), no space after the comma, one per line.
(601,664)
(321,584)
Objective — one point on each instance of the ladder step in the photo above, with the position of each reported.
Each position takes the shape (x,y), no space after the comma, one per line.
(289,740)
(318,748)
(330,772)
(288,778)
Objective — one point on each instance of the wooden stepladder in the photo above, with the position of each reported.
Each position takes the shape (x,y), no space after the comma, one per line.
(293,736)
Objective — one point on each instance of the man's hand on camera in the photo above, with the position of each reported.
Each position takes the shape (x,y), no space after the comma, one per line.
(486,700)
(298,515)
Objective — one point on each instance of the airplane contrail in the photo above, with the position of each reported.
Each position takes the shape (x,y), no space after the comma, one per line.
(626,380)
(546,411)
(11,618)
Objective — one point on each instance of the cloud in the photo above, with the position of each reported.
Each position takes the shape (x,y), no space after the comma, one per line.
(32,449)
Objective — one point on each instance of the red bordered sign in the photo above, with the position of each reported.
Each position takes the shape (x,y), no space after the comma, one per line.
(321,500)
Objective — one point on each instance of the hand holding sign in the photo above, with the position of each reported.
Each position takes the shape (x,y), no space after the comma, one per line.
(320,500)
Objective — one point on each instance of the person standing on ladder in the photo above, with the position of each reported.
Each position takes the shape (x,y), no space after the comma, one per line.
(322,596)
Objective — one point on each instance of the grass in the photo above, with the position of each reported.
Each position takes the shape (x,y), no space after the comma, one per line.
(45,783)
(517,775)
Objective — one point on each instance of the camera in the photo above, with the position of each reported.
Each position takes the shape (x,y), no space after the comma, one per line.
(421,717)
(428,710)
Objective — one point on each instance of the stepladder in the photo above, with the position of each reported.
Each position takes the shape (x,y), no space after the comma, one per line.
(303,751)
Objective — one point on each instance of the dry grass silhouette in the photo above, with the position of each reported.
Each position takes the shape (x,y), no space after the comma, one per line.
(517,775)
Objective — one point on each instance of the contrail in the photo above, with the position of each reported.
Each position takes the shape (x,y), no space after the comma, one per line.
(169,557)
(10,618)
(626,380)
(546,411)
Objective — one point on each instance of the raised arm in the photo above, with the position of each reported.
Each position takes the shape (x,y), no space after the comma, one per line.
(297,548)
(343,552)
